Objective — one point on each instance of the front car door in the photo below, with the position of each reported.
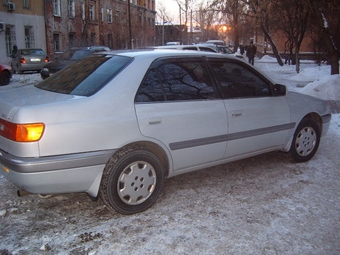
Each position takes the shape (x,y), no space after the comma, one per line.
(177,105)
(258,120)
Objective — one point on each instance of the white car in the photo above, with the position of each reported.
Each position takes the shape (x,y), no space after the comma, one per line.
(116,124)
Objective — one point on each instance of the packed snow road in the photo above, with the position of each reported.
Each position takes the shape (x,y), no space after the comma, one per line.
(261,205)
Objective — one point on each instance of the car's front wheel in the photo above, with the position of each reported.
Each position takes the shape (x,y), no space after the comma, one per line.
(305,141)
(132,180)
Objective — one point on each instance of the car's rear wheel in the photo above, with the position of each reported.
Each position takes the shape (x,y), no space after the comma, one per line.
(305,141)
(132,180)
(4,78)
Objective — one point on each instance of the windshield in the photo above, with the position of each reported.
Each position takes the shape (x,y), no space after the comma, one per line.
(85,77)
(225,50)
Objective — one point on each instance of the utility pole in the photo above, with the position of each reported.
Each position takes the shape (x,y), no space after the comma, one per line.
(130,34)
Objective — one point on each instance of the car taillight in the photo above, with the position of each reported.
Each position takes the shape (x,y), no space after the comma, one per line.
(23,61)
(47,59)
(31,132)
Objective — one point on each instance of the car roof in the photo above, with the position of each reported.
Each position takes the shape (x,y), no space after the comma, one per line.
(155,53)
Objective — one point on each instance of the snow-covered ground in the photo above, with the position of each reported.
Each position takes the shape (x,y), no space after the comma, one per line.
(262,205)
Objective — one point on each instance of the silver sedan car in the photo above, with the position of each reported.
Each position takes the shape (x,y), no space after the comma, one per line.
(116,124)
(29,60)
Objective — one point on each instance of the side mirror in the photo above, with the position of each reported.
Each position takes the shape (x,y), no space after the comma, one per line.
(280,90)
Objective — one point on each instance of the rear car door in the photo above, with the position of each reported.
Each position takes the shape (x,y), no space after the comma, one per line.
(258,120)
(178,106)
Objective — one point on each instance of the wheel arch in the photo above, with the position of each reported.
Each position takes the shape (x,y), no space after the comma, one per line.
(312,116)
(155,149)
(316,118)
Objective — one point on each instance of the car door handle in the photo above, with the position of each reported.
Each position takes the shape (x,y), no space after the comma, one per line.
(152,121)
(236,114)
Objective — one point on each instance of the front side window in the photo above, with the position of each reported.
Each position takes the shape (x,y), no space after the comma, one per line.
(86,76)
(172,81)
(56,8)
(237,81)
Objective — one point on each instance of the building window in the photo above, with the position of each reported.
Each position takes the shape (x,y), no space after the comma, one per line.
(56,42)
(29,37)
(83,11)
(10,39)
(26,4)
(71,9)
(149,22)
(110,41)
(93,38)
(56,8)
(71,40)
(102,14)
(124,18)
(153,24)
(91,12)
(109,15)
(117,17)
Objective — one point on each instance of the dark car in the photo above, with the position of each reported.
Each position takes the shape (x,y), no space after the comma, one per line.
(69,57)
(5,74)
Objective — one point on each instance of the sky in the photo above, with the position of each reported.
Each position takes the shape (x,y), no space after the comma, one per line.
(171,8)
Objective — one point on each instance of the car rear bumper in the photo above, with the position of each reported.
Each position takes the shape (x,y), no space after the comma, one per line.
(56,174)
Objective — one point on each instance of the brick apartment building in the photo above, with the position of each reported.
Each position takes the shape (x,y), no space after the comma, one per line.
(57,25)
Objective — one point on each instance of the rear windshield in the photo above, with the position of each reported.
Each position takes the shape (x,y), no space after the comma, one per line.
(32,52)
(86,76)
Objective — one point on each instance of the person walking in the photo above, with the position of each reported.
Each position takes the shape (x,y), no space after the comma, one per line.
(251,51)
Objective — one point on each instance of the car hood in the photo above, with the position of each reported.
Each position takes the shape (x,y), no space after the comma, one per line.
(11,100)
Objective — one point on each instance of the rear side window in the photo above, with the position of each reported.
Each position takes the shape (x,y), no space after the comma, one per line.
(86,76)
(174,81)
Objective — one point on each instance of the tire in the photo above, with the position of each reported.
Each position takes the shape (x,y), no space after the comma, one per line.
(5,78)
(305,141)
(132,180)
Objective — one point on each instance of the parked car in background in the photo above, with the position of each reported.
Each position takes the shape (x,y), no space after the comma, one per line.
(216,42)
(116,124)
(69,57)
(187,47)
(202,47)
(173,43)
(5,74)
(29,60)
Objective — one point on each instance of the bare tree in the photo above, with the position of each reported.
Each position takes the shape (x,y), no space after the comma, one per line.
(265,16)
(326,18)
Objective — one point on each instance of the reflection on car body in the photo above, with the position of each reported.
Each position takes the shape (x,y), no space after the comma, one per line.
(96,128)
(69,57)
